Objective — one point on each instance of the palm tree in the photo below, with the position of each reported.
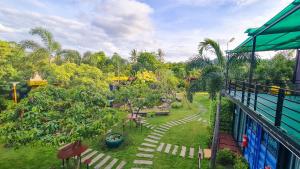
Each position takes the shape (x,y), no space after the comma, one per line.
(211,79)
(160,55)
(134,55)
(49,49)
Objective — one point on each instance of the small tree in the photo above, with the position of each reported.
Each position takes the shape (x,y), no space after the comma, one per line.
(138,96)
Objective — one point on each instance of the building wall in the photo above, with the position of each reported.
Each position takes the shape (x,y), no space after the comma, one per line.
(262,150)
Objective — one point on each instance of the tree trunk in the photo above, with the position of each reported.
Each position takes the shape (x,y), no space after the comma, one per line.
(214,147)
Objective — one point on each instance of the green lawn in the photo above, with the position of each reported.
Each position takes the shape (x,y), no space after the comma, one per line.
(190,134)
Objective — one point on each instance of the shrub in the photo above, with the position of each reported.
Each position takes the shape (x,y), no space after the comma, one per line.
(227,110)
(225,157)
(176,105)
(240,163)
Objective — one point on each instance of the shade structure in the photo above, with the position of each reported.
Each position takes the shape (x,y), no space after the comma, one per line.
(282,32)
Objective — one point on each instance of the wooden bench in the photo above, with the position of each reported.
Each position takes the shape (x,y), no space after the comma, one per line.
(70,150)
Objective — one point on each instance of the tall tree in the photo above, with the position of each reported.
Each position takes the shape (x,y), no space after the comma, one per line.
(49,49)
(160,55)
(134,55)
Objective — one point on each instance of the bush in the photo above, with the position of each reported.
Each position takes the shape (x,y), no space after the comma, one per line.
(225,157)
(176,105)
(226,114)
(240,163)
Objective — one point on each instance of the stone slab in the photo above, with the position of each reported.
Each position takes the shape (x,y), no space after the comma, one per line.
(151,141)
(145,155)
(90,155)
(102,162)
(121,165)
(168,148)
(159,135)
(159,149)
(154,137)
(94,160)
(146,162)
(146,149)
(149,145)
(111,164)
(183,151)
(192,151)
(175,150)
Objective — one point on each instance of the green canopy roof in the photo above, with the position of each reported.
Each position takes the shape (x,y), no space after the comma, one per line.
(280,33)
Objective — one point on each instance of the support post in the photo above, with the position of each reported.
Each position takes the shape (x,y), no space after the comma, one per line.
(235,84)
(229,87)
(280,100)
(296,78)
(252,66)
(216,136)
(255,96)
(243,92)
(227,69)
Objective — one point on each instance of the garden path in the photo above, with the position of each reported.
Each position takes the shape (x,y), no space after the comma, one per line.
(151,142)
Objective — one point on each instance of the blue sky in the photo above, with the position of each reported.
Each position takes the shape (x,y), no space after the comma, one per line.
(175,26)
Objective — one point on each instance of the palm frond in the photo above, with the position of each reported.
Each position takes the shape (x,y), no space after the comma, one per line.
(29,44)
(45,35)
(212,46)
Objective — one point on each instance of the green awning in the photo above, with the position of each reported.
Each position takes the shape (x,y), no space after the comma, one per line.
(282,32)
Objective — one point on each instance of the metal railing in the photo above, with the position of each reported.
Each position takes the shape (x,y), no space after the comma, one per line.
(279,106)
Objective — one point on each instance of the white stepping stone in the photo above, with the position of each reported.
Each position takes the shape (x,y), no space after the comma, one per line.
(167,128)
(159,135)
(154,137)
(88,156)
(145,155)
(174,152)
(158,131)
(146,149)
(172,122)
(86,151)
(192,150)
(161,146)
(102,162)
(151,141)
(146,162)
(121,165)
(161,129)
(183,151)
(149,145)
(167,125)
(96,159)
(111,164)
(168,148)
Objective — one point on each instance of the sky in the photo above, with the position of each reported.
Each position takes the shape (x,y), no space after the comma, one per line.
(175,26)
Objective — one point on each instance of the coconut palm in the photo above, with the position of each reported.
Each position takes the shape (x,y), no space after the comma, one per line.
(49,49)
(134,55)
(160,55)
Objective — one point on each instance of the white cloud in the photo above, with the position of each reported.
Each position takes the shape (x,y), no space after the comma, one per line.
(5,29)
(123,25)
(111,25)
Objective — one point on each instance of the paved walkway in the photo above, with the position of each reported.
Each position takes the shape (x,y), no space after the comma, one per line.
(182,151)
(100,160)
(145,155)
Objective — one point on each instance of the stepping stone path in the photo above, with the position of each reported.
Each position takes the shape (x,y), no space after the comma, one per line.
(151,142)
(100,160)
(178,150)
(148,125)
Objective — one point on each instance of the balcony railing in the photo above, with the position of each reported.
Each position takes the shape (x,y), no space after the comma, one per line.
(279,106)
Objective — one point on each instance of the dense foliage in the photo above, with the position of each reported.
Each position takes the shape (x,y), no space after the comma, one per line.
(55,115)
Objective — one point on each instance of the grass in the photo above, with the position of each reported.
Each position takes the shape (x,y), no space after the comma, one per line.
(190,134)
